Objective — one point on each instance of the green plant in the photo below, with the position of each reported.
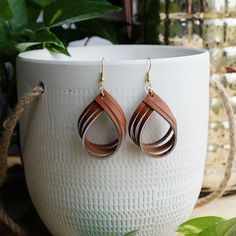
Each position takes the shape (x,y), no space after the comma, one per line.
(52,24)
(61,22)
(208,226)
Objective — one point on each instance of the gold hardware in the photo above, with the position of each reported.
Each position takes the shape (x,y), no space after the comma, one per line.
(148,81)
(102,79)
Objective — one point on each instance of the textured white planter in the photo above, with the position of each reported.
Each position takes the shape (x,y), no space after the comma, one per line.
(76,194)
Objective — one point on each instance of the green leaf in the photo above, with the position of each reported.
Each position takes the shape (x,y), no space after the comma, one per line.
(42,3)
(232,231)
(23,46)
(66,12)
(8,51)
(5,11)
(33,11)
(56,49)
(194,226)
(26,32)
(46,38)
(102,28)
(19,11)
(225,228)
(3,31)
(132,233)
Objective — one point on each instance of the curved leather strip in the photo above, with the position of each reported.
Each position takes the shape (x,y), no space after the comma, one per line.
(169,143)
(154,147)
(85,125)
(108,105)
(93,111)
(85,111)
(157,104)
(155,151)
(141,125)
(115,110)
(101,101)
(88,117)
(115,105)
(138,121)
(99,148)
(134,118)
(162,153)
(89,145)
(161,139)
(162,147)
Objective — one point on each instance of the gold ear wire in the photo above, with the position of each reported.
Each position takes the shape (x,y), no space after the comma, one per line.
(148,77)
(150,65)
(102,79)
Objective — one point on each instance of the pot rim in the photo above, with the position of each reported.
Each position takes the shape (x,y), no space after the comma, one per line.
(41,56)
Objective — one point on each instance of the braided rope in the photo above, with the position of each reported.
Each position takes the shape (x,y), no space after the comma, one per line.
(6,219)
(9,126)
(232,141)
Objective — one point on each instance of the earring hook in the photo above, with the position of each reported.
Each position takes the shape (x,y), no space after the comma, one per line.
(148,77)
(150,65)
(102,79)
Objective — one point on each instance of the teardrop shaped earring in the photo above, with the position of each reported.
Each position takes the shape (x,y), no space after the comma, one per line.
(153,103)
(104,102)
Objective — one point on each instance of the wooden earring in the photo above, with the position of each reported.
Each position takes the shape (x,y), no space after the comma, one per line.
(103,102)
(153,103)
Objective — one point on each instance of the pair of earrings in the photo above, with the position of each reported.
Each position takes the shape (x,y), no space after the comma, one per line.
(104,102)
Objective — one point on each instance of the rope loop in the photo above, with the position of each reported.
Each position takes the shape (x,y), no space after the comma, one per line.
(232,141)
(9,126)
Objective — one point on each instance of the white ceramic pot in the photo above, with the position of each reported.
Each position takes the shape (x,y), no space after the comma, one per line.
(76,194)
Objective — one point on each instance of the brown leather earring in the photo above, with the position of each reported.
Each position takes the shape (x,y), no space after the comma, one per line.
(104,102)
(153,103)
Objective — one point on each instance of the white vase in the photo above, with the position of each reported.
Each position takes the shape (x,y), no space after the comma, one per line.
(76,194)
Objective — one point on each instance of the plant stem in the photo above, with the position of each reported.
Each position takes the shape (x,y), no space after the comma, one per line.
(86,41)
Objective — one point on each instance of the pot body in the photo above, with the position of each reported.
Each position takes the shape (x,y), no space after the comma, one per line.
(76,194)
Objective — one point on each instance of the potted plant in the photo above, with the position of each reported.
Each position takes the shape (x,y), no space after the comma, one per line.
(32,24)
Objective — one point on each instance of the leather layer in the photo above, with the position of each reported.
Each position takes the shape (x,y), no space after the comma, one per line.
(163,146)
(108,105)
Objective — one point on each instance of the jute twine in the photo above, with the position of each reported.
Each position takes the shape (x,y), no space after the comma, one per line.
(232,141)
(9,127)
(36,92)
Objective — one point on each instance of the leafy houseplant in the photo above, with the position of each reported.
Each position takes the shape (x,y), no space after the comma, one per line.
(34,24)
(62,22)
